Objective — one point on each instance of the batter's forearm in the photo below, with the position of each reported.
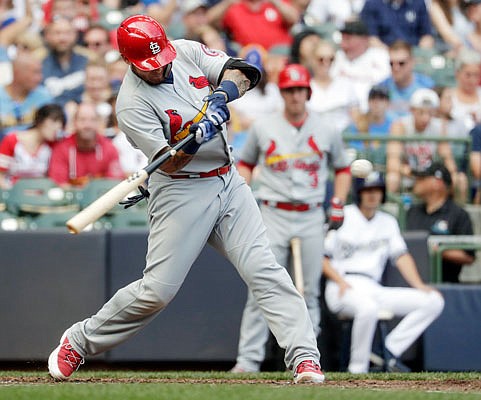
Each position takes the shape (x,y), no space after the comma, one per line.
(175,163)
(238,77)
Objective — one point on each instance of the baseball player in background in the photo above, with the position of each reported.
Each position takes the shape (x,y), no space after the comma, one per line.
(294,150)
(356,255)
(196,197)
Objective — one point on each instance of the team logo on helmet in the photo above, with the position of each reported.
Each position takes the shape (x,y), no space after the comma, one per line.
(155,48)
(294,75)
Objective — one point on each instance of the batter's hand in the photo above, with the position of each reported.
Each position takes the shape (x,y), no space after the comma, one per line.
(336,214)
(217,110)
(203,131)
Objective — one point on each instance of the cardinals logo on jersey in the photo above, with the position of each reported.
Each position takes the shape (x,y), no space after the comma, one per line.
(178,128)
(199,82)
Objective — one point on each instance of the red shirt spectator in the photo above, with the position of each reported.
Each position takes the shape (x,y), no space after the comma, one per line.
(258,21)
(85,154)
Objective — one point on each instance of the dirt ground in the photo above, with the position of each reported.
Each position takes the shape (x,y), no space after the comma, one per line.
(448,385)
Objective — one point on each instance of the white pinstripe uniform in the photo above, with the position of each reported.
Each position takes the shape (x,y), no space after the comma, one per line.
(359,251)
(294,170)
(185,214)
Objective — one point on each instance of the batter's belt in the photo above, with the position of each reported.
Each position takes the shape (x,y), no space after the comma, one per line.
(291,206)
(215,172)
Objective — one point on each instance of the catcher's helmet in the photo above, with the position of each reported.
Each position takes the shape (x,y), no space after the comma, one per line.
(374,180)
(294,75)
(143,42)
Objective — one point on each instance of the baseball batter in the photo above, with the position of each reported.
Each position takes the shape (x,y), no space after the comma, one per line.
(197,197)
(356,255)
(294,150)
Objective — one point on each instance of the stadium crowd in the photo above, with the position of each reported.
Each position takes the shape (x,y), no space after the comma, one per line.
(399,79)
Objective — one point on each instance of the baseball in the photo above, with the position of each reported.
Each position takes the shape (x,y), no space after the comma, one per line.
(361,168)
(56,194)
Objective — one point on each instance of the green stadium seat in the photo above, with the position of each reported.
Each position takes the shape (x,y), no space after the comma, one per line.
(39,196)
(130,219)
(94,189)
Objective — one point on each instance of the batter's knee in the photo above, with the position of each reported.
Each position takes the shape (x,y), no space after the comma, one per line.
(156,295)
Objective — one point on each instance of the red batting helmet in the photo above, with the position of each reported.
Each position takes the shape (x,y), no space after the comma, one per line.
(143,42)
(294,75)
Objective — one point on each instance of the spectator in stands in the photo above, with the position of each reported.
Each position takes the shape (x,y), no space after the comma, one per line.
(26,154)
(117,69)
(264,99)
(80,13)
(131,159)
(356,256)
(20,99)
(361,63)
(467,92)
(302,48)
(455,129)
(403,81)
(440,215)
(472,9)
(475,164)
(85,154)
(376,122)
(63,67)
(264,22)
(450,25)
(392,20)
(194,16)
(332,96)
(97,90)
(332,12)
(214,39)
(403,158)
(97,39)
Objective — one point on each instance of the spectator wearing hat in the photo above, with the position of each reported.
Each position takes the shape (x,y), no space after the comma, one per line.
(334,97)
(440,215)
(405,157)
(391,20)
(403,81)
(358,61)
(194,16)
(472,9)
(376,122)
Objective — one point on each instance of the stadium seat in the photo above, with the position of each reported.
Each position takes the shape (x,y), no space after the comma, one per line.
(94,189)
(39,196)
(130,219)
(51,220)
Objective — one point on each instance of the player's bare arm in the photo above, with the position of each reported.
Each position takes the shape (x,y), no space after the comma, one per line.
(241,81)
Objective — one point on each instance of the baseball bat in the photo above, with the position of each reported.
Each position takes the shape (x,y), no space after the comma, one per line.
(297,264)
(108,200)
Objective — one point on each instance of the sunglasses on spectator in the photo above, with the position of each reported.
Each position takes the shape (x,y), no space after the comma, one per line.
(401,63)
(325,60)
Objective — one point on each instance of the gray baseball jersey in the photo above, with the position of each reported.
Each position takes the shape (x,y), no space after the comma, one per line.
(176,104)
(185,214)
(294,169)
(295,162)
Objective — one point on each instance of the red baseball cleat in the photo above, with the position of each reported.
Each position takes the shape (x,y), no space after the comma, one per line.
(64,360)
(308,371)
